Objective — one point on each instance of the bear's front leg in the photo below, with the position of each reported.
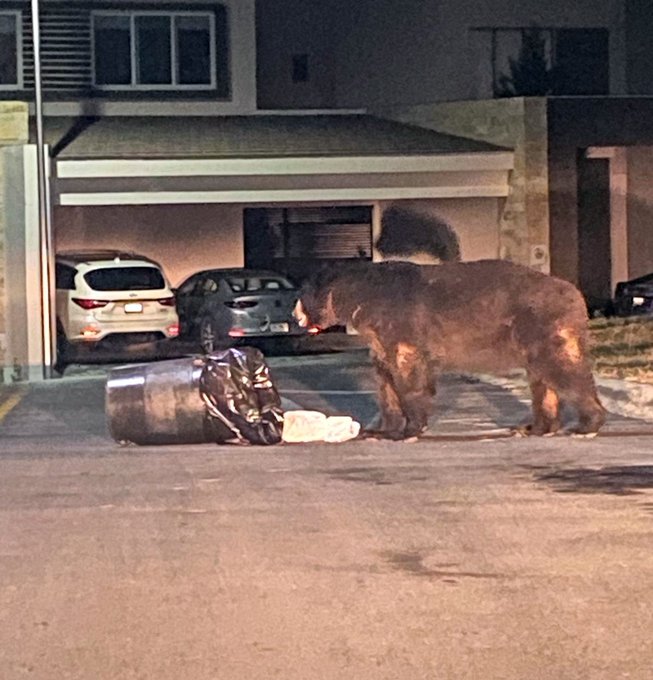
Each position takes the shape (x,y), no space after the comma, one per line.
(393,421)
(406,390)
(415,384)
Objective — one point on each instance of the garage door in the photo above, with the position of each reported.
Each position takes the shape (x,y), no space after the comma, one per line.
(297,240)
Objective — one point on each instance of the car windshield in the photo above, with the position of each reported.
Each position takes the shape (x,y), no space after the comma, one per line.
(254,284)
(125,278)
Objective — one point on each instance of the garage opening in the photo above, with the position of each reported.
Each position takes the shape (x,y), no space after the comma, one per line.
(295,241)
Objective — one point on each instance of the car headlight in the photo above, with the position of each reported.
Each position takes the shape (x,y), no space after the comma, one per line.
(638,300)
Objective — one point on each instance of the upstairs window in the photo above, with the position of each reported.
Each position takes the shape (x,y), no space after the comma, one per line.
(538,61)
(154,50)
(10,51)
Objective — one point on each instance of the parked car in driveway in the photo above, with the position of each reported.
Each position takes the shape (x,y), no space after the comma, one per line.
(109,295)
(634,297)
(219,307)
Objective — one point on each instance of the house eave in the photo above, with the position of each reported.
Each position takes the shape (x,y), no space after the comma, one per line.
(280,196)
(108,168)
(156,181)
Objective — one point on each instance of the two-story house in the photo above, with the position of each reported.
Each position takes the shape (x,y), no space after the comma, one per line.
(582,137)
(192,130)
(158,144)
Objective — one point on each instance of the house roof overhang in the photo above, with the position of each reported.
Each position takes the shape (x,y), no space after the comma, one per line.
(266,159)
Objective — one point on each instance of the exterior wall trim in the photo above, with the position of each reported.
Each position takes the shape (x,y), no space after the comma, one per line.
(281,196)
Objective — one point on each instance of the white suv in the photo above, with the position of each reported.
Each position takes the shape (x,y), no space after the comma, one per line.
(111,295)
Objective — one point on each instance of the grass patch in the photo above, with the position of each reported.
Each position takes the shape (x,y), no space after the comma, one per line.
(623,347)
(619,348)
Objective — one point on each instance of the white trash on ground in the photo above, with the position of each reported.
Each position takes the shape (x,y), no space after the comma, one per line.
(312,426)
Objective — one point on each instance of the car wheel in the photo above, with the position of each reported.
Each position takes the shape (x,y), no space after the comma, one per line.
(210,338)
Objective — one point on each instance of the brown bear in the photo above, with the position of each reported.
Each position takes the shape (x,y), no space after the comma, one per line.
(489,316)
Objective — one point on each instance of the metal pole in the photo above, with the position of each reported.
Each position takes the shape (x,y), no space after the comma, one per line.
(45,217)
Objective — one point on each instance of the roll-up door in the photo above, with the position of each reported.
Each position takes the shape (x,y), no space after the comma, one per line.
(297,240)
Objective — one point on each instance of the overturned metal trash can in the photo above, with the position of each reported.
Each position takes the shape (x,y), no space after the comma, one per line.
(224,397)
(158,403)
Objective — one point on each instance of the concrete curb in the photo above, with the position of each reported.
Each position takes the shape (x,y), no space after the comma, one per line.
(627,397)
(624,397)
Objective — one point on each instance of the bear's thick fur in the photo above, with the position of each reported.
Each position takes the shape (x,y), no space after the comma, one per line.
(489,316)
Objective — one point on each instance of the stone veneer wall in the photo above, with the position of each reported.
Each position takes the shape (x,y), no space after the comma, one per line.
(517,123)
(13,131)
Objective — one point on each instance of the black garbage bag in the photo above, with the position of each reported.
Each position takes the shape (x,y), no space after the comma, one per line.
(240,397)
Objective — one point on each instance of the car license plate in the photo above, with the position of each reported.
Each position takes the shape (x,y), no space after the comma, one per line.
(279,327)
(133,307)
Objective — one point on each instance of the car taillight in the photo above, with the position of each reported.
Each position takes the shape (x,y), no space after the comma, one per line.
(167,302)
(241,304)
(90,304)
(90,332)
(313,330)
(173,330)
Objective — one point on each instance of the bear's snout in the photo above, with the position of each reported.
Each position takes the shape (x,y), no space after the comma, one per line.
(300,314)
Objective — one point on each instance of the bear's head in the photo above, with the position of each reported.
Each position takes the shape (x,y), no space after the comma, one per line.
(315,307)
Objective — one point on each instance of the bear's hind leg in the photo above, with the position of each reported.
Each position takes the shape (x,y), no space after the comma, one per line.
(560,361)
(546,409)
(591,414)
(575,385)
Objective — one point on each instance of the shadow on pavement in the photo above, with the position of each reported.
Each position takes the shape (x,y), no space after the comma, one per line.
(621,480)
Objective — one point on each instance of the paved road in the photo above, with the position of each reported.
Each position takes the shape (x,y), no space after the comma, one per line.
(467,555)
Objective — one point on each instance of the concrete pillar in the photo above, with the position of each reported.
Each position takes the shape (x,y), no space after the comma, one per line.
(619,216)
(618,210)
(14,128)
(23,350)
(377,213)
